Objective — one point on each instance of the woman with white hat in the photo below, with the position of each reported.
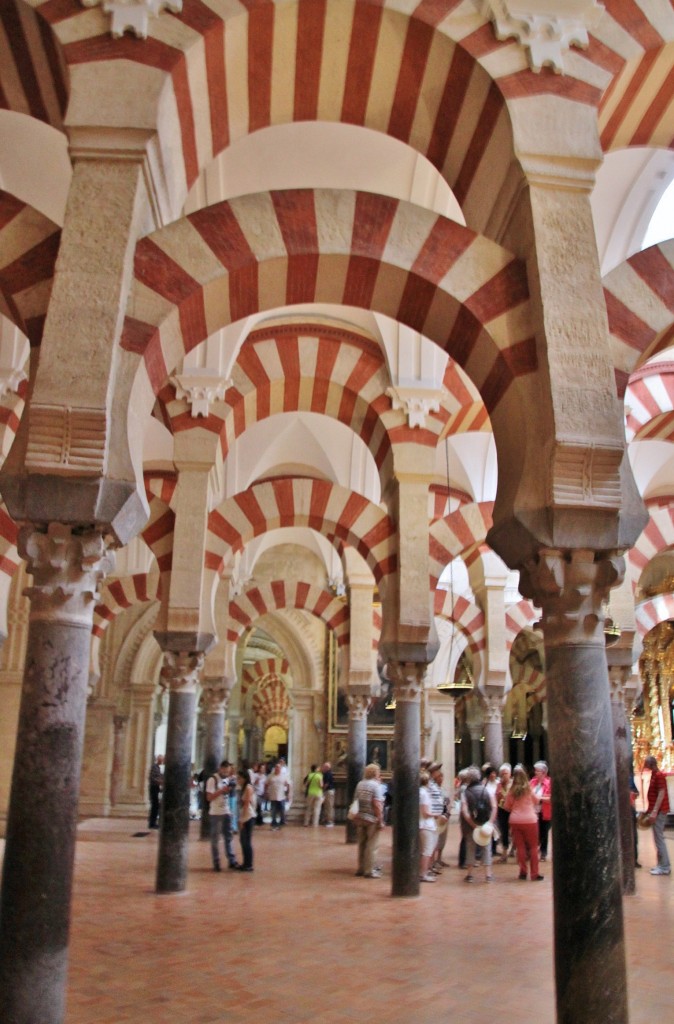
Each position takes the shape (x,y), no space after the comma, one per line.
(523,805)
(478,811)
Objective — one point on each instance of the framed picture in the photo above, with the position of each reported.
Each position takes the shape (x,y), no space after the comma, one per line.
(378,752)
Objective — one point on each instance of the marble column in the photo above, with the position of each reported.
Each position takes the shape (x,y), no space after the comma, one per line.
(67,566)
(408,682)
(493,731)
(213,703)
(180,674)
(119,724)
(590,973)
(624,691)
(356,750)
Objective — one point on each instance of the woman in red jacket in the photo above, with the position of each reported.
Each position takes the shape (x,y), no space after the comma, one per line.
(523,805)
(542,787)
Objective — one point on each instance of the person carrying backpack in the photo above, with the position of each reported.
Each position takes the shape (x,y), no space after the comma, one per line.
(478,808)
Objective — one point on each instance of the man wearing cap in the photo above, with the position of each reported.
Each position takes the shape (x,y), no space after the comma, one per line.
(440,810)
(658,809)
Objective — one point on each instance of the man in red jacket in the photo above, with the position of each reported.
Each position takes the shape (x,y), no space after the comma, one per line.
(658,808)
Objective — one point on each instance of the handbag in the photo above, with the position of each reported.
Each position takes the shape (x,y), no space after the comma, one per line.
(352,813)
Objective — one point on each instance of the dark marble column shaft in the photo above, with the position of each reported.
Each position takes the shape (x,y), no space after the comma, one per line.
(180,673)
(407,679)
(493,738)
(42,818)
(356,751)
(590,966)
(589,933)
(623,763)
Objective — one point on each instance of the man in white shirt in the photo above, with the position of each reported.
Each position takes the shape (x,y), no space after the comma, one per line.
(218,790)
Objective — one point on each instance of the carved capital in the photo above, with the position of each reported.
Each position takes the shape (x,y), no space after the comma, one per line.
(625,686)
(571,588)
(200,389)
(67,568)
(493,710)
(181,671)
(359,706)
(416,403)
(546,32)
(408,679)
(214,697)
(133,15)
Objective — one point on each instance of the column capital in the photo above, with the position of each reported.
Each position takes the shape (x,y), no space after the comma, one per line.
(180,671)
(493,709)
(67,565)
(214,696)
(408,679)
(200,389)
(133,15)
(359,706)
(571,587)
(546,34)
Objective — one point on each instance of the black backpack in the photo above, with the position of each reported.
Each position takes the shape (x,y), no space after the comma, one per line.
(479,803)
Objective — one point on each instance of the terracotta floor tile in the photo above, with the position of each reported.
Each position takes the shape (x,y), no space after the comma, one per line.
(302,940)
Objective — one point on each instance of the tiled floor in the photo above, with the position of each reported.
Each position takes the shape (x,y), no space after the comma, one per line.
(302,940)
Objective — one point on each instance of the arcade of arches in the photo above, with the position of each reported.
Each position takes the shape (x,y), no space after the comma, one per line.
(333,378)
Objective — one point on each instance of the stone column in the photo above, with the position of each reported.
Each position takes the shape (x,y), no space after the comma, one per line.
(493,731)
(180,674)
(408,681)
(488,576)
(570,586)
(67,566)
(624,691)
(119,724)
(214,699)
(359,706)
(475,723)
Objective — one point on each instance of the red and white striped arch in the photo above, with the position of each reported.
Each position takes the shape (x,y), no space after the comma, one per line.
(33,76)
(9,562)
(271,703)
(319,369)
(461,533)
(29,244)
(652,612)
(253,65)
(636,110)
(519,616)
(465,614)
(331,510)
(255,675)
(656,537)
(257,601)
(640,303)
(116,595)
(158,531)
(534,684)
(649,403)
(257,252)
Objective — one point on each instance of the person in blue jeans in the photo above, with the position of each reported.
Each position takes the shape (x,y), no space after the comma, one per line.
(218,791)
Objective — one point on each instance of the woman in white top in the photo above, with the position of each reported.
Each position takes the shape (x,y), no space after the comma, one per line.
(247,811)
(428,830)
